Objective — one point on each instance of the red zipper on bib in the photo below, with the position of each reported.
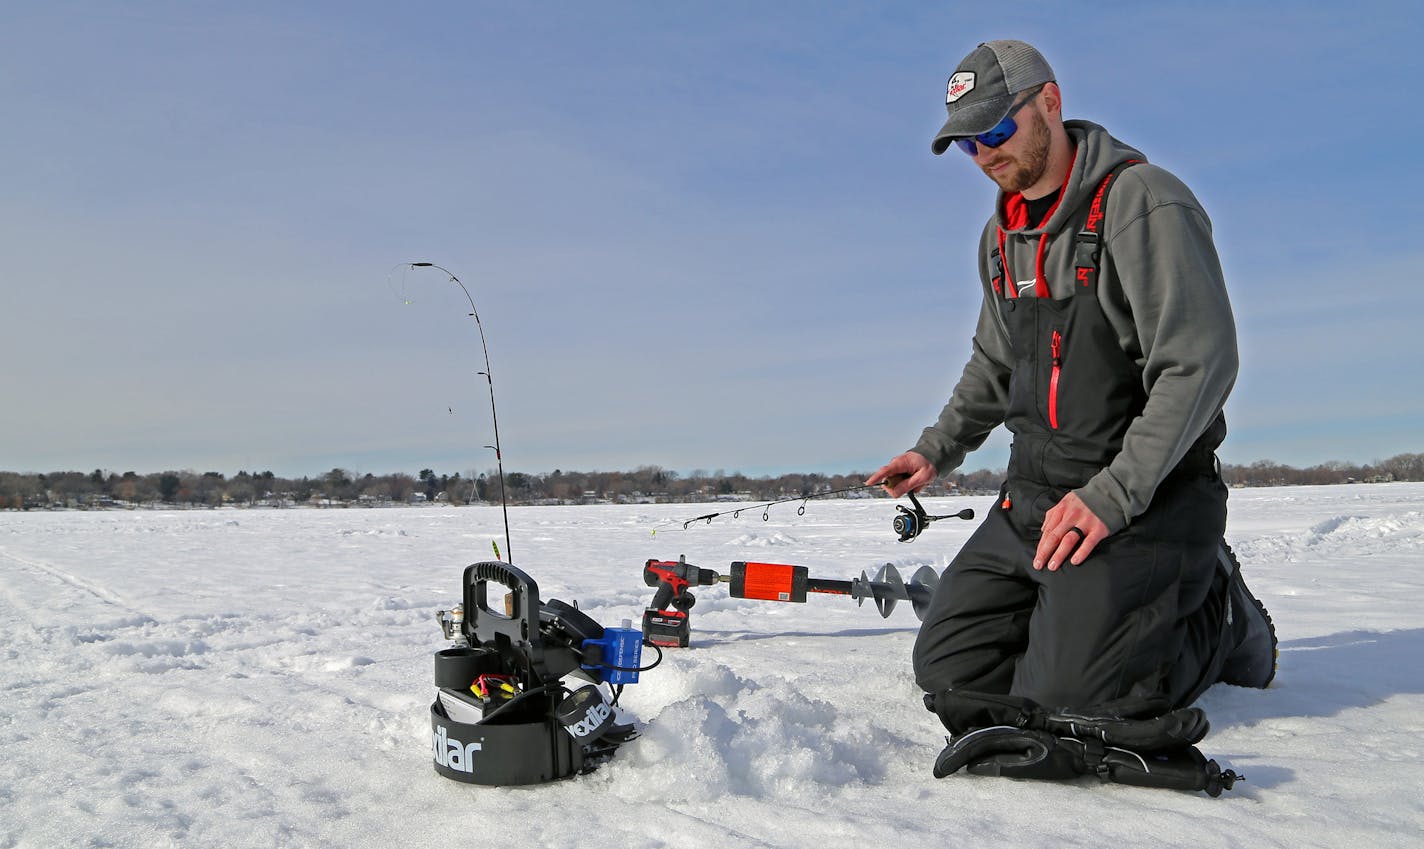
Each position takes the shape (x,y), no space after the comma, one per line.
(1055,347)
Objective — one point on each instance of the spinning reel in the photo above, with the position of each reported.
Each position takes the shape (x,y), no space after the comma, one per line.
(911,523)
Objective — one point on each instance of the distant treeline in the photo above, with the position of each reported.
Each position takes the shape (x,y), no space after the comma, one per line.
(342,488)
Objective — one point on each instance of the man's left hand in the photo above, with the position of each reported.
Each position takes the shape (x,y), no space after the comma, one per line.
(1070,533)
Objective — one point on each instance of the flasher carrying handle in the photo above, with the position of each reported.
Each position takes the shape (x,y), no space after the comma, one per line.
(518,621)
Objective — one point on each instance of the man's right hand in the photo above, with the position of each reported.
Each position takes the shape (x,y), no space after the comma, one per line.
(910,472)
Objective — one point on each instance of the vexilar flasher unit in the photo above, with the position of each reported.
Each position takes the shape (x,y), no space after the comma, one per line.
(503,714)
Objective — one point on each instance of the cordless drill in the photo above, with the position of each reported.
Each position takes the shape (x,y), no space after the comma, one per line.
(665,620)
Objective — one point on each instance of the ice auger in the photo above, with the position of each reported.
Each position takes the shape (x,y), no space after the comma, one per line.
(665,621)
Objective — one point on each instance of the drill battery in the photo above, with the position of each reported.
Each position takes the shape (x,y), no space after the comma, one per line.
(666,628)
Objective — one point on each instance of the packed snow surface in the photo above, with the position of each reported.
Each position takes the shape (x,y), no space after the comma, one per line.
(262,678)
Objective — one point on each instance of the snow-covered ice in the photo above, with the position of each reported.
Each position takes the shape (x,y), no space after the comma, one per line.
(256,678)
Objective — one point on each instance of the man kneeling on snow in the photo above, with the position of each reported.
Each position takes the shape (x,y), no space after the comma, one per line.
(1097,600)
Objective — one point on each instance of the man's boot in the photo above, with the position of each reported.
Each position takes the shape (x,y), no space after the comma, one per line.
(1252,662)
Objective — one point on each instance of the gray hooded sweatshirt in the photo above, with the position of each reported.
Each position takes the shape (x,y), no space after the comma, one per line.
(1161,288)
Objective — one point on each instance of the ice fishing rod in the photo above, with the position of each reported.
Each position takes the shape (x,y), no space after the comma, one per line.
(494,416)
(909,522)
(765,507)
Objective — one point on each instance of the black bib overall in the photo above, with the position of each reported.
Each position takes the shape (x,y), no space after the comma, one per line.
(1138,619)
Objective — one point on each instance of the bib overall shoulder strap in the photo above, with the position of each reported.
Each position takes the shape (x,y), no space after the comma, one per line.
(1089,246)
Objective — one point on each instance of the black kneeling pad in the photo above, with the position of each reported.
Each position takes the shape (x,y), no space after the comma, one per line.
(1171,730)
(1008,751)
(1141,725)
(1013,752)
(1185,768)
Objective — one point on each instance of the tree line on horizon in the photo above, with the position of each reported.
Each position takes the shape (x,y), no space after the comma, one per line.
(340,487)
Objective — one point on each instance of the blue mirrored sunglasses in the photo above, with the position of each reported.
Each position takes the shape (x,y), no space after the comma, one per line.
(1002,131)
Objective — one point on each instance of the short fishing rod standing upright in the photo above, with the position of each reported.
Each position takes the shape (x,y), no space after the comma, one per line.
(494,415)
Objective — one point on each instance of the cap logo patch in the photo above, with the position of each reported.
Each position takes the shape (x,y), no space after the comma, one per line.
(959,85)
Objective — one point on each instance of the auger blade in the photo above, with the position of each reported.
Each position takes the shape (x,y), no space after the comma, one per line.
(888,589)
(922,588)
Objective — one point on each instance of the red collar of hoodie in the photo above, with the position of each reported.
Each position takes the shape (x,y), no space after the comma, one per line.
(1015,214)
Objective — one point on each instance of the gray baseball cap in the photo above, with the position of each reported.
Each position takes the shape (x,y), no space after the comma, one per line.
(981,90)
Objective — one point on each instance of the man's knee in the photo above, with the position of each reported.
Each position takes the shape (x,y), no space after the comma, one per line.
(1081,686)
(932,662)
(977,622)
(942,663)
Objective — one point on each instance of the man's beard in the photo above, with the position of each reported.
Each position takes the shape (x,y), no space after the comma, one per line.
(1030,166)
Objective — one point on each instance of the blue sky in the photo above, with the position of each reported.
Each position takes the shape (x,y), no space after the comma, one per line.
(702,236)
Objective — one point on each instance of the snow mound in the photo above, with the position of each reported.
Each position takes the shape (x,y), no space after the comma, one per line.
(755,540)
(372,532)
(1403,530)
(398,603)
(734,736)
(1352,535)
